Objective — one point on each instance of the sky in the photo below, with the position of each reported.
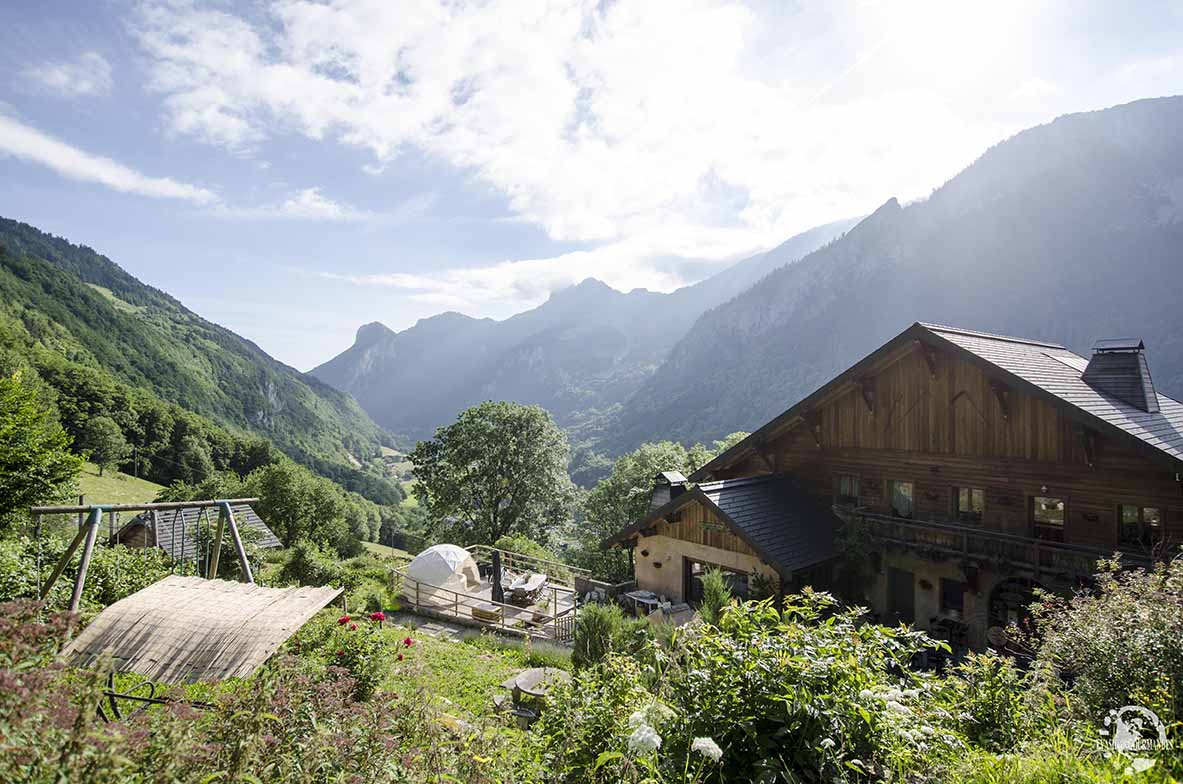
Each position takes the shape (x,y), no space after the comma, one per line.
(294,169)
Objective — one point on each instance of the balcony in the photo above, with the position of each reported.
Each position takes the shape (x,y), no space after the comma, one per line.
(986,546)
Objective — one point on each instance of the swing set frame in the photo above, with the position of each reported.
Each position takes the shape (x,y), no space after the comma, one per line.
(88,532)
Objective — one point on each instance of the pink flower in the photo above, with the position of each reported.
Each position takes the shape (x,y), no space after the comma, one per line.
(408,642)
(340,653)
(353,627)
(378,616)
(344,619)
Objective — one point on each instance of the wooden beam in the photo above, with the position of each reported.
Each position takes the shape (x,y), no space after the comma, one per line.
(216,556)
(815,429)
(769,458)
(1002,395)
(141,507)
(92,531)
(867,390)
(1088,440)
(247,577)
(930,357)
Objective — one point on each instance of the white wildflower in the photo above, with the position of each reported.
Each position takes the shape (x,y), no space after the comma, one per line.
(827,743)
(707,748)
(866,694)
(899,708)
(644,740)
(635,720)
(660,713)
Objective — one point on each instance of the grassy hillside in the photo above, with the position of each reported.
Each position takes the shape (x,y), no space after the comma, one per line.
(79,306)
(115,487)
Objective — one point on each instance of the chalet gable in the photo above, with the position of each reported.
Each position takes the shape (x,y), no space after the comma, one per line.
(984,386)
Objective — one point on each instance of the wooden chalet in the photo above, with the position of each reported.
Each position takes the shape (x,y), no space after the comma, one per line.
(968,467)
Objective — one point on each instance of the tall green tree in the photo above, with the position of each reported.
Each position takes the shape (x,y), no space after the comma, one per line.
(105,441)
(500,468)
(35,462)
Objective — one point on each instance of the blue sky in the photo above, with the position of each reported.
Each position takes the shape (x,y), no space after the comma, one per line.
(293,169)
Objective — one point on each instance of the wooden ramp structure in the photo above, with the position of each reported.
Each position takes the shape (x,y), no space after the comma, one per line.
(189,629)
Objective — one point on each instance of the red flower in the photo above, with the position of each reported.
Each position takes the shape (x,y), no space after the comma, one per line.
(340,653)
(353,627)
(400,657)
(378,616)
(408,642)
(344,619)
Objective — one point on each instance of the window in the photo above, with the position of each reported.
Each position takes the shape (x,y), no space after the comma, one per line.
(899,495)
(846,489)
(1047,518)
(692,580)
(952,596)
(1140,525)
(970,503)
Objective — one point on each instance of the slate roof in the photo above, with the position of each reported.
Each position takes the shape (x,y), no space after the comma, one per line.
(177,532)
(1046,369)
(772,514)
(1058,372)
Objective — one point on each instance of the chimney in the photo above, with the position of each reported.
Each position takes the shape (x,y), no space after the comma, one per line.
(1118,368)
(667,486)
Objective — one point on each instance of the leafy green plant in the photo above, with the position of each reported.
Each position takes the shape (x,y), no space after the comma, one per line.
(597,627)
(1119,644)
(716,596)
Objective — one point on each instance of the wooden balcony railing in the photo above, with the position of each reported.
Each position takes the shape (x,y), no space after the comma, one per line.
(983,544)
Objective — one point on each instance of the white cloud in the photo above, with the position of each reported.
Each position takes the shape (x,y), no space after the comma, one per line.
(699,129)
(32,145)
(308,204)
(90,74)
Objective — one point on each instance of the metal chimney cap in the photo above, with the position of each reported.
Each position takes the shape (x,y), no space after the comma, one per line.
(1118,344)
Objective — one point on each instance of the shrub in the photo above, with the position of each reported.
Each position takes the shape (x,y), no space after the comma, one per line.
(812,694)
(987,694)
(716,595)
(357,646)
(1120,644)
(114,572)
(311,564)
(597,626)
(587,719)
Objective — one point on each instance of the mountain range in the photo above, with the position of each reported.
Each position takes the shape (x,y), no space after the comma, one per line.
(581,354)
(1070,231)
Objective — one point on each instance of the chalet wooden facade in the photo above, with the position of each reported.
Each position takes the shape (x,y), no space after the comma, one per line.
(974,466)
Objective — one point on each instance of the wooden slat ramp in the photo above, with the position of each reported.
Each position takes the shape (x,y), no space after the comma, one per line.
(186,629)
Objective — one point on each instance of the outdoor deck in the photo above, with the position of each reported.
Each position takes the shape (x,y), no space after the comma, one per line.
(551,616)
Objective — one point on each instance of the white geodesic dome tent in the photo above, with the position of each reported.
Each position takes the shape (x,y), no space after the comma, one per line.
(439,569)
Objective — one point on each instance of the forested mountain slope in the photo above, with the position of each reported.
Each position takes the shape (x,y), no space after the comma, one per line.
(1070,232)
(75,304)
(580,354)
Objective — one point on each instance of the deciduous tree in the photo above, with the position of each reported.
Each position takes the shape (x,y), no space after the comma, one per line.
(500,468)
(35,462)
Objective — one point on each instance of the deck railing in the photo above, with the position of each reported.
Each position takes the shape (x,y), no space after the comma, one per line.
(555,571)
(512,619)
(970,542)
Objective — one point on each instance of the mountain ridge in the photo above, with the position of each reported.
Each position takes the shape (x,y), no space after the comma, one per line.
(580,353)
